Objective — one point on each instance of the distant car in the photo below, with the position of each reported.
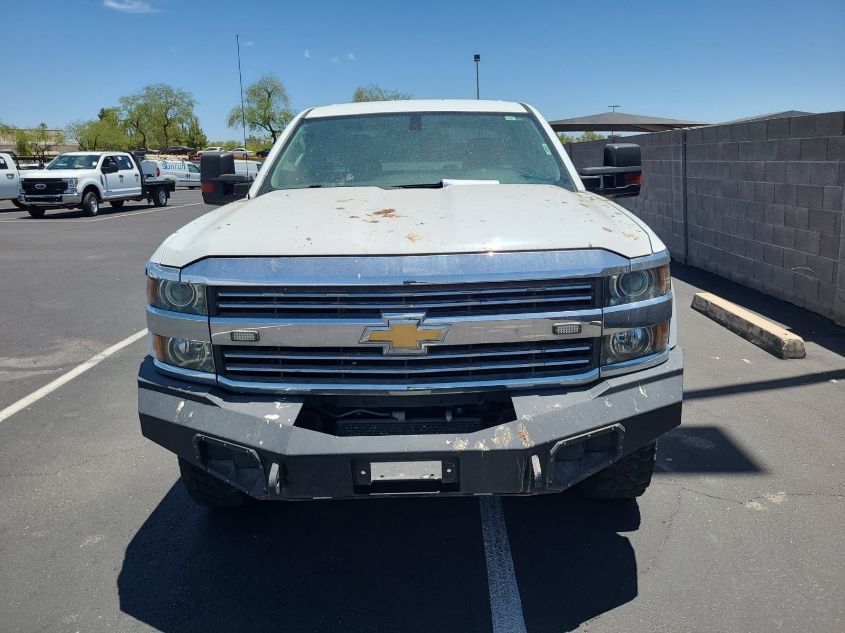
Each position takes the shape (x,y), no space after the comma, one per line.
(240,152)
(181,172)
(210,149)
(178,149)
(263,153)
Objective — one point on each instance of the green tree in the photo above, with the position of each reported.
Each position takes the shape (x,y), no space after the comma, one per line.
(156,113)
(191,134)
(266,107)
(24,143)
(374,92)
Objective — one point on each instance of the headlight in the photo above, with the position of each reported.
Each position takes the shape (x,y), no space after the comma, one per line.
(634,343)
(70,184)
(183,352)
(638,285)
(176,296)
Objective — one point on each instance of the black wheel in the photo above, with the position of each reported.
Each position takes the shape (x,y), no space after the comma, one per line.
(627,478)
(35,212)
(160,197)
(116,203)
(208,490)
(90,204)
(19,204)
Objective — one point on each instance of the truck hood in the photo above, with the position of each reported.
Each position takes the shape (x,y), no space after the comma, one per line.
(54,173)
(363,221)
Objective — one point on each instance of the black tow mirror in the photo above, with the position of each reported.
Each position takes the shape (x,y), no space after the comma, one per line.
(621,175)
(220,183)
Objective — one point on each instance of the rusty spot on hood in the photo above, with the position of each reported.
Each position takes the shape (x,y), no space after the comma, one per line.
(386,213)
(413,237)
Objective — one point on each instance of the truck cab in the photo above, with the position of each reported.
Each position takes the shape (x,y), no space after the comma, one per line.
(412,297)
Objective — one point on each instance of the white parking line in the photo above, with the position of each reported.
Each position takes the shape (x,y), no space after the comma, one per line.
(505,603)
(115,216)
(35,396)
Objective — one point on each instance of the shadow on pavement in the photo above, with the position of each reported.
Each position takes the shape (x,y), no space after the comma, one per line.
(808,325)
(570,562)
(702,449)
(378,565)
(765,385)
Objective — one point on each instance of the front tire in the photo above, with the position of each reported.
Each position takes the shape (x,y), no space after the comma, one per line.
(625,479)
(35,212)
(19,204)
(209,491)
(90,204)
(116,203)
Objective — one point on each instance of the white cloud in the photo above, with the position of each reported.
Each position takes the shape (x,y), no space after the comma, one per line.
(351,57)
(130,6)
(307,54)
(334,60)
(248,43)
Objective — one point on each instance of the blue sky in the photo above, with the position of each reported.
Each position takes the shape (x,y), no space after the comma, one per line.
(709,61)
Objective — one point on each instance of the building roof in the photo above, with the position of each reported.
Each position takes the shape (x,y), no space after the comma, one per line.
(620,122)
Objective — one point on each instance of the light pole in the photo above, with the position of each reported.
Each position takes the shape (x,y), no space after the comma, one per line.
(477,58)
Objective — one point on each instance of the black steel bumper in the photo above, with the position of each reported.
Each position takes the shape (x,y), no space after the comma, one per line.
(557,439)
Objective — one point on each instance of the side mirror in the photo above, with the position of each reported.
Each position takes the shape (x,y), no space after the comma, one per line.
(220,184)
(621,175)
(109,168)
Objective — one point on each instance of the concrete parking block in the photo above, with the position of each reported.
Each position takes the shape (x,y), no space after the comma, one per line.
(762,332)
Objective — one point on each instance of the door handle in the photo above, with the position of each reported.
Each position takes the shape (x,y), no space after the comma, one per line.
(121,177)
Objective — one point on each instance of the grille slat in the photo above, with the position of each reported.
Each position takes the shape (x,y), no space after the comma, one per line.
(436,300)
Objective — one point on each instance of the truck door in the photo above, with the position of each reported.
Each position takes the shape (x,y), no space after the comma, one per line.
(112,181)
(8,178)
(129,176)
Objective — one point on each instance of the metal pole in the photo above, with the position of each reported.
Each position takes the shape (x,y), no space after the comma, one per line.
(477,59)
(243,113)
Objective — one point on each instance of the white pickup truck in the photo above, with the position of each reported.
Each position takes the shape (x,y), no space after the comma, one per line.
(9,178)
(414,297)
(87,179)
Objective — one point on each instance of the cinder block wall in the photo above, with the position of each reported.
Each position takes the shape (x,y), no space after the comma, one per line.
(761,203)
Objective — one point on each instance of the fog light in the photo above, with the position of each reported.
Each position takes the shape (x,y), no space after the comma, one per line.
(182,352)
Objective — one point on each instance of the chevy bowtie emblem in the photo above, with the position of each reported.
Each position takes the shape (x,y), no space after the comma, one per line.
(404,335)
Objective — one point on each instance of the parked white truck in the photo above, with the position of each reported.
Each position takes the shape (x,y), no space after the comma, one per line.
(9,178)
(414,297)
(85,180)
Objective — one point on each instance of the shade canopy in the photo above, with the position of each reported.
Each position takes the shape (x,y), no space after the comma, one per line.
(620,122)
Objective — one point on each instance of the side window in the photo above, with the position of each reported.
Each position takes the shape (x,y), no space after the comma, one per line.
(107,161)
(124,164)
(3,164)
(193,168)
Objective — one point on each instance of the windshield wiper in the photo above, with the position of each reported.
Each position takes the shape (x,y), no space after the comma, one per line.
(420,185)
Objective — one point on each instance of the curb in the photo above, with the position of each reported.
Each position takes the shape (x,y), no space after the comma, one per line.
(762,332)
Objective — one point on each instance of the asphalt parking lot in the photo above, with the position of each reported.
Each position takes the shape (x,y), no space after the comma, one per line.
(740,531)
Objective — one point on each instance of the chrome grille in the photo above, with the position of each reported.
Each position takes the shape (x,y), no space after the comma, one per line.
(442,365)
(435,300)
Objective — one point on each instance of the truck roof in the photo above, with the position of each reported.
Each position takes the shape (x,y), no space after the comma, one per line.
(416,105)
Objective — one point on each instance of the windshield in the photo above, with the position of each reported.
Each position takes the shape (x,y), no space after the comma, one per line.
(408,149)
(75,161)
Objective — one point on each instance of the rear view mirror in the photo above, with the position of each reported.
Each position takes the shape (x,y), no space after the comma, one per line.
(220,183)
(621,174)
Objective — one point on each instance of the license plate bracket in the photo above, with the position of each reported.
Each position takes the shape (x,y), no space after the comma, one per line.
(367,472)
